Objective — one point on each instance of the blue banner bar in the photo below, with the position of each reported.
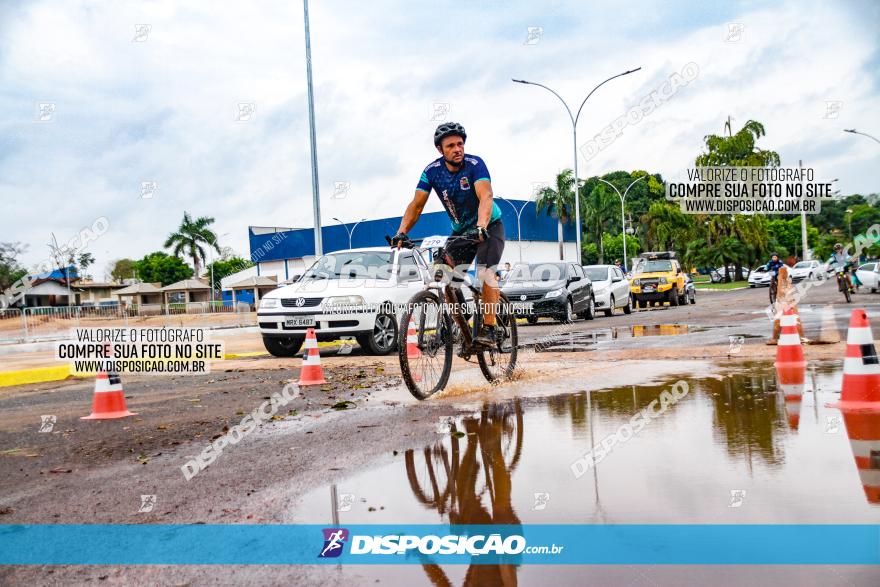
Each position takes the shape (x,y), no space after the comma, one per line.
(147,544)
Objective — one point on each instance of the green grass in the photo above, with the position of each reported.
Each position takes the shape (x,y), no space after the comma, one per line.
(707,285)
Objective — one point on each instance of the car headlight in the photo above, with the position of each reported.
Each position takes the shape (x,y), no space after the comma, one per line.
(267,303)
(555,293)
(344,301)
(662,280)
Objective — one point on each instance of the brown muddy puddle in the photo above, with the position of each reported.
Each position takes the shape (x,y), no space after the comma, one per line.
(729,451)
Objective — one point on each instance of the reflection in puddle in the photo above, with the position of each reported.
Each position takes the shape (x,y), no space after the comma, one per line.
(730,437)
(583,341)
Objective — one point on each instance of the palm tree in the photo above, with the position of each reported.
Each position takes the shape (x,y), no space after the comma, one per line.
(190,237)
(558,202)
(600,207)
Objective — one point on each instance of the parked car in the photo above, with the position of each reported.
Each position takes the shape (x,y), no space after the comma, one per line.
(657,278)
(558,290)
(355,292)
(808,270)
(717,275)
(869,275)
(610,288)
(760,277)
(690,290)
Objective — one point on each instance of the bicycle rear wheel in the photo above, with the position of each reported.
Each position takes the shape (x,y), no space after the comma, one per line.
(425,341)
(499,362)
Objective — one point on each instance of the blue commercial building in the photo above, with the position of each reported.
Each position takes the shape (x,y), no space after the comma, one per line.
(286,252)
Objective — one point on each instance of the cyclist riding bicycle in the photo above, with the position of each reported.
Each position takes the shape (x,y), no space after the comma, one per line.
(464,187)
(841,259)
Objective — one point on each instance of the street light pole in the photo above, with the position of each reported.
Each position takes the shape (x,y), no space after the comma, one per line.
(316,202)
(622,211)
(350,232)
(864,134)
(574,121)
(518,226)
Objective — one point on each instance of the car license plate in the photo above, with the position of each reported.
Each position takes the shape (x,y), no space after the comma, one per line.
(299,321)
(649,289)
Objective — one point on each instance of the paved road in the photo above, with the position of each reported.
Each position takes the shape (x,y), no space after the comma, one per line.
(88,472)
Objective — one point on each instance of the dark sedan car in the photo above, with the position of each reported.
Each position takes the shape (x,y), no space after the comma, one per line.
(557,290)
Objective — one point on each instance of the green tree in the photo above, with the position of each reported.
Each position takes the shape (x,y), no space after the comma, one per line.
(602,206)
(613,246)
(163,268)
(224,268)
(84,261)
(740,239)
(122,269)
(558,202)
(190,237)
(667,228)
(10,268)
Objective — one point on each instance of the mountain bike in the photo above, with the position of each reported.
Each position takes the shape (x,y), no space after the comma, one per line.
(439,322)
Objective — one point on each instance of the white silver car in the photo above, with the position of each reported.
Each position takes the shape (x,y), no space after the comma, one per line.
(610,288)
(760,277)
(356,293)
(869,275)
(809,270)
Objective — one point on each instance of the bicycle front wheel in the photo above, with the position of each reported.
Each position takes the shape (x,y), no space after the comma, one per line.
(425,345)
(499,362)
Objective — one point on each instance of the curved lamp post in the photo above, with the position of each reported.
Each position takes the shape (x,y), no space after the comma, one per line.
(574,120)
(622,212)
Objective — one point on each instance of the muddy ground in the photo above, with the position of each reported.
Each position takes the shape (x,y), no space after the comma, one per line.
(96,471)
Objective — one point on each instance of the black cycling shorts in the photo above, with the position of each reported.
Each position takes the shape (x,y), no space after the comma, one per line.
(488,252)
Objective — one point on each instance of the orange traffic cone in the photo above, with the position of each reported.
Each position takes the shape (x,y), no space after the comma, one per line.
(861,367)
(412,342)
(790,353)
(412,347)
(790,383)
(109,399)
(311,372)
(863,429)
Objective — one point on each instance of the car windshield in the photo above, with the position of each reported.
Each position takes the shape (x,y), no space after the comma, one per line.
(596,273)
(761,269)
(352,265)
(803,265)
(658,266)
(536,272)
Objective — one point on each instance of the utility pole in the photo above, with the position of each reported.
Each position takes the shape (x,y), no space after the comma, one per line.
(316,202)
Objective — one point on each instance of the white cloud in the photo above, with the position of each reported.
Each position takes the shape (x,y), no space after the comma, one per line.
(163,109)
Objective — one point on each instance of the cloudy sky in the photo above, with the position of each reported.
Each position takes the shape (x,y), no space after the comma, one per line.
(160,103)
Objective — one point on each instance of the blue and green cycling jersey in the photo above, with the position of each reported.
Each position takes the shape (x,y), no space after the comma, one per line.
(457,192)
